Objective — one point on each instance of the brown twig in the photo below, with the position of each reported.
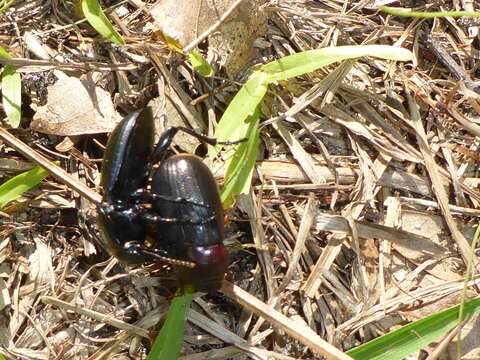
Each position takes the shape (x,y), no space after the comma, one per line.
(47,64)
(57,172)
(212,28)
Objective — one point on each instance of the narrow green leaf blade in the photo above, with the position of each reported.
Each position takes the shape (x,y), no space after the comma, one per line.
(398,11)
(168,343)
(410,338)
(308,61)
(241,165)
(95,16)
(5,4)
(12,95)
(12,189)
(11,92)
(234,124)
(200,65)
(4,53)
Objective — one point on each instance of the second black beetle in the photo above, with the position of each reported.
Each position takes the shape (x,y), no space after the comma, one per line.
(159,208)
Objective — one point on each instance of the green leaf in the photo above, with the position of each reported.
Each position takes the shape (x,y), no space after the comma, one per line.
(240,119)
(400,343)
(200,65)
(427,14)
(308,61)
(11,91)
(168,343)
(5,4)
(234,124)
(241,165)
(95,16)
(12,95)
(14,188)
(4,54)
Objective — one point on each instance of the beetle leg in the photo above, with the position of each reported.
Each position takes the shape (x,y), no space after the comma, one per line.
(108,208)
(187,221)
(157,254)
(207,139)
(164,142)
(136,249)
(168,135)
(144,195)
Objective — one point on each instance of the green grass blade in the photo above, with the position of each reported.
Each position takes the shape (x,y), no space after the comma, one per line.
(5,4)
(4,53)
(12,95)
(240,166)
(200,65)
(415,336)
(95,16)
(427,14)
(14,188)
(469,275)
(11,92)
(240,119)
(168,343)
(308,61)
(235,123)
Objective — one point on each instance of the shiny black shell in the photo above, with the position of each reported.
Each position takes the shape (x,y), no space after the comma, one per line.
(196,231)
(173,202)
(125,166)
(125,170)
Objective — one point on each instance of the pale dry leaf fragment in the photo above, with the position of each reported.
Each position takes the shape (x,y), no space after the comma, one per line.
(4,295)
(435,177)
(75,107)
(433,227)
(41,267)
(185,20)
(303,232)
(425,248)
(22,353)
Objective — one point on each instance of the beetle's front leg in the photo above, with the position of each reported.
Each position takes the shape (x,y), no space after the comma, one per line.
(167,137)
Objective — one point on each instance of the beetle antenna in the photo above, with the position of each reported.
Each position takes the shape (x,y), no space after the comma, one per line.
(170,261)
(168,135)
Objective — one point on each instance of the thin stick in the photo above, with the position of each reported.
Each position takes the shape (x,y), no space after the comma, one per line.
(57,172)
(212,28)
(21,63)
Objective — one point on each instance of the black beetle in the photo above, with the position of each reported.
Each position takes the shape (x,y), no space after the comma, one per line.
(191,218)
(125,171)
(173,202)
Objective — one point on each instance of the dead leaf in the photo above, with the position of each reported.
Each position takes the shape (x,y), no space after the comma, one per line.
(232,41)
(75,107)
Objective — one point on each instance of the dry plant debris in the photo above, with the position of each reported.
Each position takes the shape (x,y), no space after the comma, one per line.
(363,204)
